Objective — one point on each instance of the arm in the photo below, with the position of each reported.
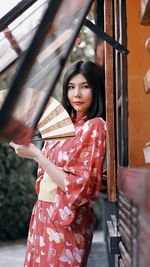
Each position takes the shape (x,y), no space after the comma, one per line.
(32,152)
(83,175)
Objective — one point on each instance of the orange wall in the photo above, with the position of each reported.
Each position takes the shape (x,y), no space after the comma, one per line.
(138,100)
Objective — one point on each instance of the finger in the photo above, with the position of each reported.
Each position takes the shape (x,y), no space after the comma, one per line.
(15,146)
(12,144)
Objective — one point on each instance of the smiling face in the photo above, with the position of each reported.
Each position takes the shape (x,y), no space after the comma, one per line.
(79,94)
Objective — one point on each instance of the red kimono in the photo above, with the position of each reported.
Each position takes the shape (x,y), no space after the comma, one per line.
(60,233)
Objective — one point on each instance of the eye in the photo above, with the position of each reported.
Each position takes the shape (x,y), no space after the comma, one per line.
(86,86)
(70,87)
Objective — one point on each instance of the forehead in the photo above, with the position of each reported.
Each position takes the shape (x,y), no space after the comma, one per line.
(79,78)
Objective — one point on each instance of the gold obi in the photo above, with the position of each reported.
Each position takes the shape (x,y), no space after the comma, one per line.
(48,189)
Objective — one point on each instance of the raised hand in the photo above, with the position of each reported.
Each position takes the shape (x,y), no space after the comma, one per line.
(30,151)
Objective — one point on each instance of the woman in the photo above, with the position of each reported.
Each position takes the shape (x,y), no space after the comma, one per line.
(62,222)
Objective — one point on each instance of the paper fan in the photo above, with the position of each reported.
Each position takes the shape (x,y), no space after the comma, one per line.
(55,121)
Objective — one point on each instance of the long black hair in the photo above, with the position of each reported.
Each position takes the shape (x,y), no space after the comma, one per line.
(92,74)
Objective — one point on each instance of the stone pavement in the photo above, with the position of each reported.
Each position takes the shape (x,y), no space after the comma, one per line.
(98,256)
(12,253)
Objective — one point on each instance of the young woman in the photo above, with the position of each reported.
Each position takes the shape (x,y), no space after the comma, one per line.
(69,176)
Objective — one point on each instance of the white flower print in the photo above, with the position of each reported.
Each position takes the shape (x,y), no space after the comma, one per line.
(62,156)
(78,254)
(64,213)
(67,182)
(67,257)
(105,128)
(85,175)
(85,127)
(50,211)
(99,142)
(30,238)
(86,162)
(37,260)
(42,243)
(29,256)
(94,134)
(34,224)
(96,154)
(54,236)
(81,180)
(57,200)
(42,253)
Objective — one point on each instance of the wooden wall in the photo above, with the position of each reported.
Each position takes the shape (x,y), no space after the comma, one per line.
(138,100)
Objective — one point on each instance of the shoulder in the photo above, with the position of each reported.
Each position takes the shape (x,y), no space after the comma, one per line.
(94,129)
(95,123)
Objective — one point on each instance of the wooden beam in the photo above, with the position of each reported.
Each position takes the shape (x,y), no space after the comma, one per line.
(109,87)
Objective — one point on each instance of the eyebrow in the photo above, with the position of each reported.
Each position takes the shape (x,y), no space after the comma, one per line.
(79,83)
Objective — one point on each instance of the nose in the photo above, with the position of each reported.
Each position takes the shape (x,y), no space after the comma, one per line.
(77,92)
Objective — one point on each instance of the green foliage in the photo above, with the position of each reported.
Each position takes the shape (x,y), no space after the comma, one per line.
(85,51)
(17,193)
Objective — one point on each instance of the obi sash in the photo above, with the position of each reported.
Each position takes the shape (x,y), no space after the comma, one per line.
(48,189)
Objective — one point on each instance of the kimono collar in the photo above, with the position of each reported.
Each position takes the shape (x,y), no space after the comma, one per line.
(80,118)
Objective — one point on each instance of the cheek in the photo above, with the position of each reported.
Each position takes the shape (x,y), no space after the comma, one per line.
(89,97)
(70,96)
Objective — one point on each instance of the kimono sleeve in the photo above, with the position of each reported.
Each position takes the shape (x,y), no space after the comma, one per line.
(84,168)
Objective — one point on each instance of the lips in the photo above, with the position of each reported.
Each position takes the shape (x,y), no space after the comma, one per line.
(77,103)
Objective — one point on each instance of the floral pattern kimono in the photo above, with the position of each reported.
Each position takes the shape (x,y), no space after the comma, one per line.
(60,233)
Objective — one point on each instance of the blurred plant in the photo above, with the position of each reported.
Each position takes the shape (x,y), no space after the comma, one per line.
(84,46)
(17,193)
(83,50)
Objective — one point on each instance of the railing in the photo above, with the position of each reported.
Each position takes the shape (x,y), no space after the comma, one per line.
(134,217)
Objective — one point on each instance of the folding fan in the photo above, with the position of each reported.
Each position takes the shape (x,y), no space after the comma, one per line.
(55,121)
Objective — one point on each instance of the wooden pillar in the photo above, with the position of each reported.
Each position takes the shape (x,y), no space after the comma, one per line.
(109,91)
